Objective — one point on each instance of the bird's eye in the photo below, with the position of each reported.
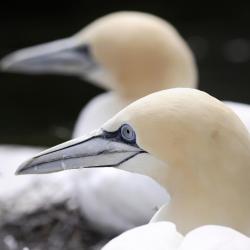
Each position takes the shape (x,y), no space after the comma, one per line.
(85,50)
(127,133)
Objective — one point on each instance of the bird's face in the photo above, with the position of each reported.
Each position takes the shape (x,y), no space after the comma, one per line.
(121,143)
(113,145)
(141,52)
(132,52)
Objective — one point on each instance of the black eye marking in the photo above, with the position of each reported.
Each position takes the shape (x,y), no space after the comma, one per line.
(85,50)
(125,134)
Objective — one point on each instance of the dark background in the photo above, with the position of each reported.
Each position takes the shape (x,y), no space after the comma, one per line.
(41,110)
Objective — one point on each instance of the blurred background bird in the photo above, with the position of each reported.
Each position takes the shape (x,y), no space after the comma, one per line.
(219,39)
(37,104)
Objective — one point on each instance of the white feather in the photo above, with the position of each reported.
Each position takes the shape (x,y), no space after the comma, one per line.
(215,238)
(155,236)
(164,236)
(24,194)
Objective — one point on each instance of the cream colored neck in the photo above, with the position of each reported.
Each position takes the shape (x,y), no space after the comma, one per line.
(223,201)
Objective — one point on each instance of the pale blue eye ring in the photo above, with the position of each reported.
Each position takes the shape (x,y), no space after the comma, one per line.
(127,133)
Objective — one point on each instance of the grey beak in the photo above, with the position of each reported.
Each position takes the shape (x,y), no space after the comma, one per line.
(65,56)
(94,151)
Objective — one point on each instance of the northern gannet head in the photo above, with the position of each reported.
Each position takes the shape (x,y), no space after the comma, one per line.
(131,52)
(185,139)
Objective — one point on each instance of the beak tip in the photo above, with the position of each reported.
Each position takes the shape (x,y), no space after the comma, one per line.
(23,171)
(24,168)
(5,64)
(18,172)
(12,62)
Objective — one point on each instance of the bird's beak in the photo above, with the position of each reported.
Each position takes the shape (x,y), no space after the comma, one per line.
(65,56)
(94,151)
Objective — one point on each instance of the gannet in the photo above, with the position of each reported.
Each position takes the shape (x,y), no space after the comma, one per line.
(192,144)
(163,235)
(146,54)
(144,50)
(130,53)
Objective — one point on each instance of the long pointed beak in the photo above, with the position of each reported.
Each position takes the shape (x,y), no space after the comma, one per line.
(96,150)
(65,56)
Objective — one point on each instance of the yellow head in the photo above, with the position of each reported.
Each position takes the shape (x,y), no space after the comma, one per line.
(133,53)
(188,141)
(142,53)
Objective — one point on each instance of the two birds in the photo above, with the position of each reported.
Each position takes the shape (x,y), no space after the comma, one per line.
(145,55)
(188,141)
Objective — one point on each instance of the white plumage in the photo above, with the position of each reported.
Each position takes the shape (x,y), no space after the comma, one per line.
(164,236)
(155,236)
(27,193)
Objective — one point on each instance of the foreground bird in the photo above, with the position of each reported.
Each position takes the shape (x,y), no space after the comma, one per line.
(189,142)
(163,235)
(132,54)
